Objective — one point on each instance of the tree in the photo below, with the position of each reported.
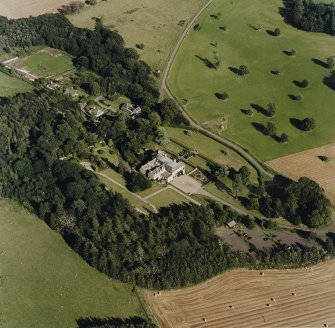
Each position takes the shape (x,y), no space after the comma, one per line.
(283,138)
(237,184)
(249,222)
(307,124)
(304,83)
(137,182)
(331,62)
(276,32)
(243,70)
(161,136)
(270,129)
(271,110)
(74,7)
(245,173)
(292,53)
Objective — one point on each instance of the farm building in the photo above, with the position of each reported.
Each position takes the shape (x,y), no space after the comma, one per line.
(96,112)
(131,109)
(71,92)
(163,168)
(231,224)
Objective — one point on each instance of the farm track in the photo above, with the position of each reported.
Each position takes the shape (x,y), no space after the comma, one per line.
(165,87)
(248,292)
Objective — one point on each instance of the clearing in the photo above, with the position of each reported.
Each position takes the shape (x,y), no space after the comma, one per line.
(155,24)
(45,63)
(26,8)
(43,283)
(10,85)
(308,164)
(247,40)
(241,298)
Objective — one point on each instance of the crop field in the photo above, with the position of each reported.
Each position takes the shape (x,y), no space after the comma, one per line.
(10,86)
(247,40)
(157,24)
(25,8)
(241,298)
(45,63)
(309,164)
(43,283)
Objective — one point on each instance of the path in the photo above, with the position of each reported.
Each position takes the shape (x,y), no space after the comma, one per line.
(88,166)
(165,87)
(177,191)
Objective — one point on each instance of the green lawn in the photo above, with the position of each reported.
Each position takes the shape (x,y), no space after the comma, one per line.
(43,64)
(241,44)
(43,283)
(156,24)
(210,149)
(10,86)
(167,197)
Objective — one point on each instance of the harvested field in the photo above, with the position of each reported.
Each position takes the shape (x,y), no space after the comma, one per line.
(25,8)
(241,298)
(307,163)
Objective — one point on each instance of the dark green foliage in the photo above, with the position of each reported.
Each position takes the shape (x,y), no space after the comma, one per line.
(324,158)
(74,7)
(307,124)
(137,182)
(249,222)
(133,322)
(283,138)
(170,113)
(276,32)
(245,175)
(306,199)
(271,110)
(197,27)
(310,16)
(330,80)
(101,51)
(331,62)
(270,129)
(304,84)
(243,70)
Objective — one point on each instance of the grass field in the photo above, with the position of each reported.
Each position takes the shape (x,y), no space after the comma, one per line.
(242,44)
(243,298)
(42,64)
(10,86)
(210,149)
(167,197)
(43,283)
(157,24)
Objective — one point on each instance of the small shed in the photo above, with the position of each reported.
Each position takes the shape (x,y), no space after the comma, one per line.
(231,224)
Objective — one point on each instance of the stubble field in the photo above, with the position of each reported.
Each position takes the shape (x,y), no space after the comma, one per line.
(279,298)
(25,8)
(307,163)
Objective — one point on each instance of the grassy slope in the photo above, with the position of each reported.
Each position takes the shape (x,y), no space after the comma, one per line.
(45,284)
(261,52)
(167,197)
(9,86)
(153,23)
(42,64)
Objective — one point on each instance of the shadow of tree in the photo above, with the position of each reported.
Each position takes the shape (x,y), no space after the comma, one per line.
(329,80)
(235,70)
(93,322)
(295,122)
(206,61)
(258,126)
(270,32)
(259,109)
(320,62)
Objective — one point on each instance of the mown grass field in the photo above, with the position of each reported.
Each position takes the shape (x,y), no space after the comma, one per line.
(43,283)
(167,197)
(209,148)
(42,64)
(157,24)
(242,44)
(10,86)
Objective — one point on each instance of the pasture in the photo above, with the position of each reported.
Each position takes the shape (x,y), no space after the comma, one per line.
(43,283)
(26,8)
(45,63)
(10,86)
(248,40)
(309,164)
(156,24)
(242,298)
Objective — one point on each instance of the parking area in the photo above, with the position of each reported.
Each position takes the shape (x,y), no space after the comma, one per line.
(187,184)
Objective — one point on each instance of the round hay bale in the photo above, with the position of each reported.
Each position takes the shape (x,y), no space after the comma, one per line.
(325,325)
(231,306)
(261,273)
(294,294)
(268,305)
(273,299)
(204,319)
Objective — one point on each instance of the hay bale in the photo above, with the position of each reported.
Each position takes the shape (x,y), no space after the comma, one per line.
(204,319)
(273,299)
(268,305)
(261,273)
(231,306)
(294,294)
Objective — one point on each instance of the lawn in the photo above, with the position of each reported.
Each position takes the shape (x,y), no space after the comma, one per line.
(10,86)
(167,197)
(208,148)
(242,44)
(157,24)
(43,283)
(42,64)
